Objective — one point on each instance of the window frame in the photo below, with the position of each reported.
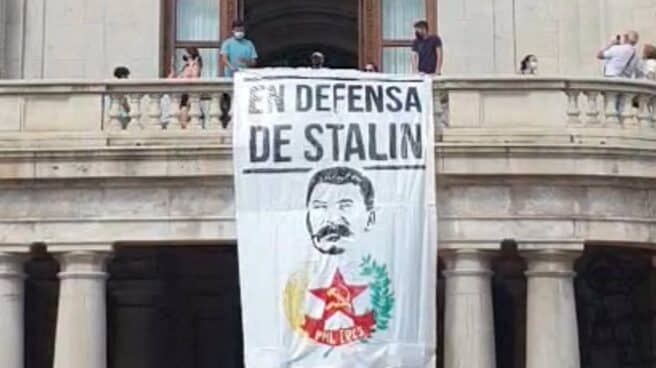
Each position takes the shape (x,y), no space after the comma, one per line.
(228,10)
(370,38)
(431,18)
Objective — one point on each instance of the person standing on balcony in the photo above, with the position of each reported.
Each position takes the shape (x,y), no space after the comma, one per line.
(620,56)
(237,52)
(317,60)
(370,68)
(529,65)
(427,54)
(121,72)
(647,67)
(192,69)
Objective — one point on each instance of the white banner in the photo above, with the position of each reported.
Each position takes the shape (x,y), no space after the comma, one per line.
(335,201)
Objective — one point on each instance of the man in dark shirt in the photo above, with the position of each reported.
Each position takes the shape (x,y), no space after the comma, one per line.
(426,51)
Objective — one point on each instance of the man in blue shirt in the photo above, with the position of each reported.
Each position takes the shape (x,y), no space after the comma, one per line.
(237,52)
(427,52)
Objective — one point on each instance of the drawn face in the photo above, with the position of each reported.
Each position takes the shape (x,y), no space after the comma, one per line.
(336,216)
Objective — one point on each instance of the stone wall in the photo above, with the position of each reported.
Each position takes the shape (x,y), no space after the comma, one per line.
(88,38)
(491,36)
(82,38)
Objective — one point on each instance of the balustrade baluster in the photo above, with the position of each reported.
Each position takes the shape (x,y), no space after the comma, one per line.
(573,111)
(226,109)
(114,124)
(155,112)
(611,114)
(438,110)
(644,117)
(214,113)
(195,112)
(134,102)
(652,111)
(593,108)
(628,113)
(174,112)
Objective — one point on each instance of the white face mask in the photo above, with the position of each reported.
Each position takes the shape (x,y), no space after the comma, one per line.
(238,34)
(533,65)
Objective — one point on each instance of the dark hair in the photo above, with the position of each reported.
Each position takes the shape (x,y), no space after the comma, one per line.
(649,51)
(121,72)
(237,23)
(343,175)
(523,66)
(372,64)
(195,55)
(421,24)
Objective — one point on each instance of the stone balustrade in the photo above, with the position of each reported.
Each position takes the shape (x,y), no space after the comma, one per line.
(531,102)
(167,105)
(33,111)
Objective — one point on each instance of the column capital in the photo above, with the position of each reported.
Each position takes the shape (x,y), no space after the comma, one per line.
(550,262)
(449,245)
(12,257)
(83,247)
(82,260)
(467,262)
(538,245)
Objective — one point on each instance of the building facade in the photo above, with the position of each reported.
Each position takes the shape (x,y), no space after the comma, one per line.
(117,238)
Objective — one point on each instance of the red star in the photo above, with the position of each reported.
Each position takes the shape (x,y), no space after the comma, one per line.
(338,297)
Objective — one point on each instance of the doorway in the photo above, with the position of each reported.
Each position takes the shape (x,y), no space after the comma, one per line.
(286,32)
(172,307)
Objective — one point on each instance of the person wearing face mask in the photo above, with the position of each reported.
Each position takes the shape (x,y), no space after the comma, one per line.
(237,52)
(529,65)
(427,55)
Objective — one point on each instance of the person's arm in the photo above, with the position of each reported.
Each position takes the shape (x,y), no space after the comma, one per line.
(224,56)
(603,53)
(253,59)
(226,62)
(439,54)
(414,59)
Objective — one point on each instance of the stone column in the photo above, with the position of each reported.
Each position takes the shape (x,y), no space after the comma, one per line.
(469,322)
(80,340)
(12,296)
(552,338)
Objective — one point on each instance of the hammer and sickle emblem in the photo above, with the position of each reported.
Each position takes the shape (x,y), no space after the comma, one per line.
(341,295)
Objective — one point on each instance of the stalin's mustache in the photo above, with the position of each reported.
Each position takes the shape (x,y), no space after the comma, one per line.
(332,232)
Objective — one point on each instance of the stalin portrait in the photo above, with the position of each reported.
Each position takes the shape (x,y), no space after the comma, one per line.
(340,208)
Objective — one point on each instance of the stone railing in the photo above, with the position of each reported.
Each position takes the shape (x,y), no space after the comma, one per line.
(521,102)
(167,105)
(145,108)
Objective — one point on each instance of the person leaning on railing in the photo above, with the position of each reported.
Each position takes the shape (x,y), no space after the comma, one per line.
(192,69)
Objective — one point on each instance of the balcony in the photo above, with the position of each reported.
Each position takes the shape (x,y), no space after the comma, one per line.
(503,110)
(539,160)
